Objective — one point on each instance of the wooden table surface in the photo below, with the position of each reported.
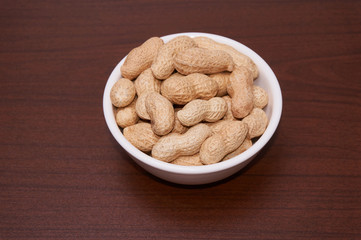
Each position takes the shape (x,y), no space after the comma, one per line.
(63,176)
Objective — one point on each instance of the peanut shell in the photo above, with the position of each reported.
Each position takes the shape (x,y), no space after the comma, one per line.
(201,60)
(122,92)
(174,145)
(260,97)
(141,136)
(141,58)
(163,66)
(146,82)
(202,110)
(257,122)
(127,116)
(161,113)
(247,143)
(216,147)
(241,92)
(193,160)
(180,89)
(239,58)
(222,81)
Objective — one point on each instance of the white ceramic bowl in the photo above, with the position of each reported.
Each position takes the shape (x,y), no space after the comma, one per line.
(193,175)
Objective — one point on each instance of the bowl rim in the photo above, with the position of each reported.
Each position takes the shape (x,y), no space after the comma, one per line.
(204,169)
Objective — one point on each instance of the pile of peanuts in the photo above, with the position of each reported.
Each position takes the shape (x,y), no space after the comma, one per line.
(190,101)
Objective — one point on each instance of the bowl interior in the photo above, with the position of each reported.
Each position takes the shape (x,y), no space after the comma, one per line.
(266,80)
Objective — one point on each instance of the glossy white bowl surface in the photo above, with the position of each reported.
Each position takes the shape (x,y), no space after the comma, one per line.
(193,175)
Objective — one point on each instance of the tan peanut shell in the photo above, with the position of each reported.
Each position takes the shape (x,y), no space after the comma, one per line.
(193,160)
(140,106)
(141,136)
(180,89)
(146,82)
(257,122)
(161,113)
(260,97)
(127,116)
(228,115)
(178,127)
(221,79)
(122,92)
(247,143)
(239,58)
(216,147)
(202,110)
(141,58)
(240,89)
(217,127)
(174,145)
(201,60)
(163,66)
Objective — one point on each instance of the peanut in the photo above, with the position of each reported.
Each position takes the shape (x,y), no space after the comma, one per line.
(181,89)
(127,116)
(146,82)
(174,145)
(228,115)
(202,110)
(141,136)
(141,58)
(260,97)
(178,127)
(201,60)
(247,143)
(217,127)
(140,106)
(193,160)
(161,113)
(220,144)
(257,122)
(238,58)
(162,66)
(222,81)
(240,90)
(122,92)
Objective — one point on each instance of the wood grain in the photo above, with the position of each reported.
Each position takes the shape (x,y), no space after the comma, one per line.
(63,176)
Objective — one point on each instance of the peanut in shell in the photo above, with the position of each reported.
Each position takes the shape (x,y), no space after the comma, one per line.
(201,60)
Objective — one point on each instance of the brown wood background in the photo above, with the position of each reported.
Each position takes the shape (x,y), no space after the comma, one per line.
(63,176)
